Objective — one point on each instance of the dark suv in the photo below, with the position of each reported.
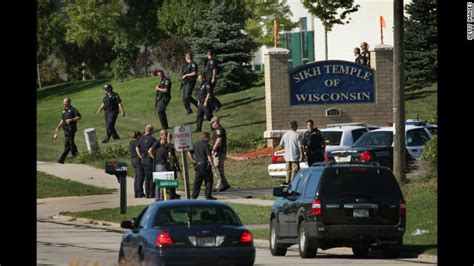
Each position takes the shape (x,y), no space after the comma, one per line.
(339,205)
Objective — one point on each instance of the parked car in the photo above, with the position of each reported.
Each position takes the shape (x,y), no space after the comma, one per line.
(433,129)
(339,205)
(377,146)
(337,136)
(187,232)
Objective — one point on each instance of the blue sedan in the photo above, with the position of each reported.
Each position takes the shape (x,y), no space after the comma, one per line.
(187,232)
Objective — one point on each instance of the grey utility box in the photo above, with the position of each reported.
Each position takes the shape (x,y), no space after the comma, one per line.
(91,140)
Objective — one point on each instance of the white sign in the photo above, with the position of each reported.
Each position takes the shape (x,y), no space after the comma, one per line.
(183,138)
(163,175)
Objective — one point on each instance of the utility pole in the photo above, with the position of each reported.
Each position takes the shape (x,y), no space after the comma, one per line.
(399,149)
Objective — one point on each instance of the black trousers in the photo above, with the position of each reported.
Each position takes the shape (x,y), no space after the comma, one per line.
(110,119)
(203,173)
(315,157)
(69,145)
(139,176)
(187,95)
(200,115)
(161,111)
(149,184)
(214,101)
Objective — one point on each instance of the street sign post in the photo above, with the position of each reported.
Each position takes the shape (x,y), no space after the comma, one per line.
(183,142)
(119,169)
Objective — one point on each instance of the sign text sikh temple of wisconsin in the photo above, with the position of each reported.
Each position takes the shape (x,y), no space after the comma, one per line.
(332,82)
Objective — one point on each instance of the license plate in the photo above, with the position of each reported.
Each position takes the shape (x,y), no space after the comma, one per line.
(208,241)
(342,159)
(361,213)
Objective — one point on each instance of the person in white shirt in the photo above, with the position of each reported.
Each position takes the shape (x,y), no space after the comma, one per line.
(290,142)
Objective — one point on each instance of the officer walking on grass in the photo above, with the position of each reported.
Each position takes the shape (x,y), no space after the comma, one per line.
(189,79)
(210,68)
(219,152)
(204,107)
(163,97)
(68,121)
(203,164)
(110,104)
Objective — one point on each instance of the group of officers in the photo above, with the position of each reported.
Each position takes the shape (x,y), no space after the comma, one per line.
(149,155)
(362,54)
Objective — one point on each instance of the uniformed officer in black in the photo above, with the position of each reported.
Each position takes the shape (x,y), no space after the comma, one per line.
(189,78)
(163,96)
(111,104)
(210,68)
(202,161)
(204,107)
(359,59)
(219,152)
(313,144)
(160,154)
(364,52)
(145,143)
(137,165)
(68,122)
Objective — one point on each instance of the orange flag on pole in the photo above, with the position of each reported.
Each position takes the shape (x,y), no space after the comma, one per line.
(382,25)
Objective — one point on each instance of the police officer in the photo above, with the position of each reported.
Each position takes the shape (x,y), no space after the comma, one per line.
(160,154)
(137,165)
(364,47)
(144,143)
(68,122)
(189,79)
(358,58)
(111,104)
(163,97)
(203,164)
(210,68)
(204,107)
(219,152)
(313,144)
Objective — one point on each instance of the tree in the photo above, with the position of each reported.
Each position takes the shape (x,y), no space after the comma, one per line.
(259,26)
(421,43)
(330,12)
(177,17)
(140,24)
(92,26)
(220,29)
(50,30)
(170,54)
(125,54)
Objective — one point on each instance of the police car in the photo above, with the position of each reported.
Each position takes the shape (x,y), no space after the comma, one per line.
(377,146)
(337,136)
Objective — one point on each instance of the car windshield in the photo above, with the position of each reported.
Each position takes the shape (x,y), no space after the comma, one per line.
(375,138)
(332,137)
(417,137)
(181,215)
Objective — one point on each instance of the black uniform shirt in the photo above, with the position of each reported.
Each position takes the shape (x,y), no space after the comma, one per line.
(161,153)
(209,67)
(201,150)
(165,83)
(220,132)
(190,68)
(204,90)
(313,141)
(132,146)
(366,57)
(144,143)
(69,113)
(111,101)
(360,60)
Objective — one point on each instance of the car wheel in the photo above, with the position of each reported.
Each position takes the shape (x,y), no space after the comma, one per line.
(304,245)
(275,248)
(360,251)
(121,258)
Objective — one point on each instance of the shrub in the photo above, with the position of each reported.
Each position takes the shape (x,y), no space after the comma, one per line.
(247,141)
(114,152)
(429,159)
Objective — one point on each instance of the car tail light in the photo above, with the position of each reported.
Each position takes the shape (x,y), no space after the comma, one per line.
(246,237)
(365,156)
(316,207)
(403,208)
(326,158)
(277,159)
(163,239)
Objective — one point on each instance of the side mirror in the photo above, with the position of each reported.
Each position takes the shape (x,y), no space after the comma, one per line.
(281,191)
(129,224)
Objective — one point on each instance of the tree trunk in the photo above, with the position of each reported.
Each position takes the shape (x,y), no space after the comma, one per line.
(39,76)
(326,42)
(146,59)
(399,149)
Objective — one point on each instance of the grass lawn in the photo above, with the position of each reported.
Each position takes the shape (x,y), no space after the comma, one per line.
(49,186)
(249,214)
(422,104)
